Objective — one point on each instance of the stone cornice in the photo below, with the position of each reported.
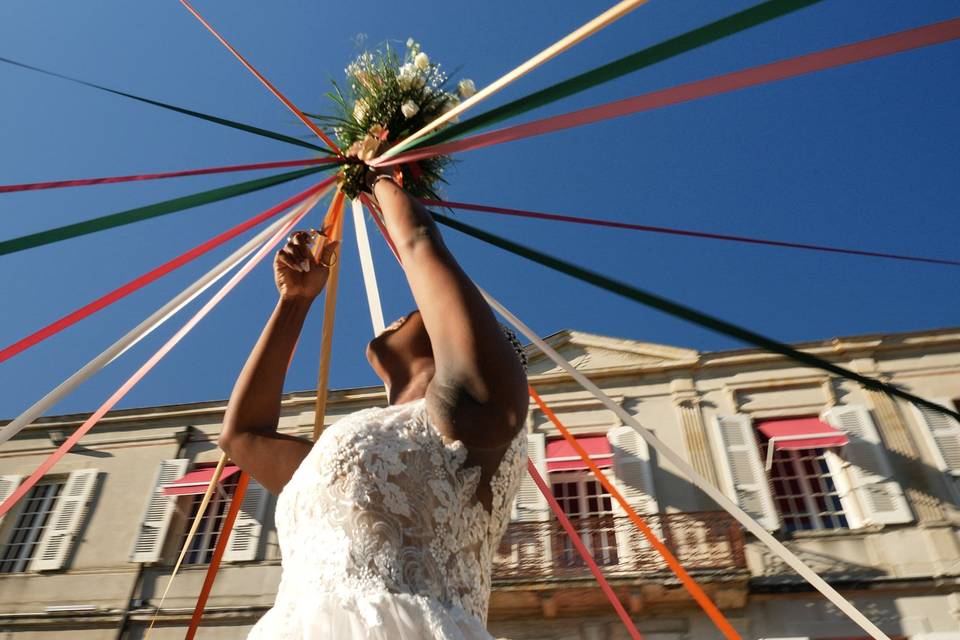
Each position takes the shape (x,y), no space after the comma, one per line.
(181,413)
(677,359)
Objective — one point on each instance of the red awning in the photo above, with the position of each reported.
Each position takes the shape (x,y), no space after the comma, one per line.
(562,457)
(801,433)
(196,481)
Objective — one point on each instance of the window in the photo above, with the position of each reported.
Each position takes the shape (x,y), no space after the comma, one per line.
(590,509)
(24,539)
(804,490)
(178,489)
(829,472)
(211,523)
(536,543)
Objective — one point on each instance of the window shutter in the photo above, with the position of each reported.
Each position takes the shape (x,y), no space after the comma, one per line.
(64,521)
(879,495)
(942,435)
(535,545)
(245,537)
(633,478)
(633,475)
(530,504)
(742,476)
(159,512)
(8,484)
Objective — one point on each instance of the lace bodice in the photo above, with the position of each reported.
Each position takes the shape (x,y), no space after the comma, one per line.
(383,504)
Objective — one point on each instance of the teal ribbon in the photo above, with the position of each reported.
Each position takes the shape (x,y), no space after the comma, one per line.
(683,43)
(189,112)
(151,211)
(686,313)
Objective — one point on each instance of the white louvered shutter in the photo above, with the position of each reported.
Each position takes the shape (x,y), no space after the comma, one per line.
(880,496)
(530,504)
(942,435)
(741,472)
(156,518)
(633,478)
(64,521)
(8,484)
(245,537)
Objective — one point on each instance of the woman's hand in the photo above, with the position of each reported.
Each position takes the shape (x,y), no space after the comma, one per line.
(366,150)
(297,272)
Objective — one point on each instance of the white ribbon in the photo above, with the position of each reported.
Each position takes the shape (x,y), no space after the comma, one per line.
(701,482)
(136,334)
(366,265)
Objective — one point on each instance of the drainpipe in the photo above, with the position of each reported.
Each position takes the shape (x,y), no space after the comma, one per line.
(183,439)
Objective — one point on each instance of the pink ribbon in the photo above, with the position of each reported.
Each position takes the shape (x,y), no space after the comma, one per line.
(89,423)
(138,283)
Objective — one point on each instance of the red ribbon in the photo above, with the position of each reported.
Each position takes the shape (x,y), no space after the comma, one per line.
(848,54)
(131,382)
(235,502)
(682,232)
(140,282)
(585,553)
(35,186)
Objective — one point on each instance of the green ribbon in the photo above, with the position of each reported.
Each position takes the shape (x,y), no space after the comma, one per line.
(683,43)
(151,211)
(686,313)
(163,105)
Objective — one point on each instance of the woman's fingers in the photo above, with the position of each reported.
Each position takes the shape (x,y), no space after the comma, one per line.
(287,260)
(299,255)
(298,248)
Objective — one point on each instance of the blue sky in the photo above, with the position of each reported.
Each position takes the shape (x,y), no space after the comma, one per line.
(864,156)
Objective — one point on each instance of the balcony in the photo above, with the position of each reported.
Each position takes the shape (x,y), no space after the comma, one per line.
(537,565)
(706,542)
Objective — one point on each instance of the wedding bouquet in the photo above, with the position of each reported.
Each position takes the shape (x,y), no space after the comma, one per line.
(387,98)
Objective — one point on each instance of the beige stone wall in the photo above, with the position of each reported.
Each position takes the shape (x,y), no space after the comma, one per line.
(674,392)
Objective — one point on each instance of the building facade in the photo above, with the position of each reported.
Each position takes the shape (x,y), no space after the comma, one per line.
(863,487)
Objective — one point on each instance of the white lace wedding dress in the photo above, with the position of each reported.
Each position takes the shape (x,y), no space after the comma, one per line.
(382,536)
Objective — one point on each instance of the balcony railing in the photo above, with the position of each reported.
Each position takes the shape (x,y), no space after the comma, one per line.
(705,542)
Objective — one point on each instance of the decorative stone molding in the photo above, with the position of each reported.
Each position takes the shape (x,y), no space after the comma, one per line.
(686,400)
(910,468)
(826,397)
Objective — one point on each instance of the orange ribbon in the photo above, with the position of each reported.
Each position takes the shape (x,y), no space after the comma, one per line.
(276,92)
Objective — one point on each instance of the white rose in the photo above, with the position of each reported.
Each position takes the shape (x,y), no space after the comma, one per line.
(410,43)
(466,88)
(409,108)
(407,76)
(422,61)
(451,103)
(359,110)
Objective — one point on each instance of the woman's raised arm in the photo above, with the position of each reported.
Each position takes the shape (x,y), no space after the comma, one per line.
(249,433)
(471,353)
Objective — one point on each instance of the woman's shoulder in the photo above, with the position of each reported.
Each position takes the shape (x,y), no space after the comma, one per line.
(457,414)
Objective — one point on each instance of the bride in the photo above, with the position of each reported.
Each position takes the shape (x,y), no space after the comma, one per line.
(388,524)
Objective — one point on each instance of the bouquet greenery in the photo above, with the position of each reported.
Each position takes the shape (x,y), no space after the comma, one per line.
(388,97)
